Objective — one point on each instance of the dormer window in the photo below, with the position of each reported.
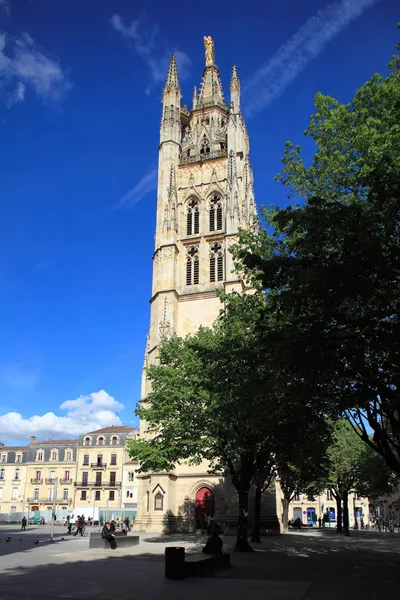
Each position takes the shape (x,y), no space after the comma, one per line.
(87,441)
(54,455)
(114,441)
(101,441)
(68,455)
(39,455)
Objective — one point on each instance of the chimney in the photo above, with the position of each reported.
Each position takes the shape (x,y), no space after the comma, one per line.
(32,439)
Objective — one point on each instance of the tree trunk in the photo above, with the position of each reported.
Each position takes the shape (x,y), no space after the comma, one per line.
(346,513)
(339,528)
(255,533)
(285,514)
(242,542)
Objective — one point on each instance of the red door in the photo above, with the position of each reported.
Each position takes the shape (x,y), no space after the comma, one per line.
(204,506)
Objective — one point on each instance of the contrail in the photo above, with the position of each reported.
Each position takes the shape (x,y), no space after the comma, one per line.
(267,83)
(147,184)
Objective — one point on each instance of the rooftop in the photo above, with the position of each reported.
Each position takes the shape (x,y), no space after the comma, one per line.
(115,429)
(56,442)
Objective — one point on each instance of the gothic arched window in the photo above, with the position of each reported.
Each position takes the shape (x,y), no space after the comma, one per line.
(193,217)
(192,266)
(216,262)
(205,146)
(215,213)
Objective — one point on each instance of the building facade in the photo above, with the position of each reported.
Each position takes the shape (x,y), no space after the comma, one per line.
(50,477)
(13,474)
(309,510)
(102,473)
(80,476)
(205,194)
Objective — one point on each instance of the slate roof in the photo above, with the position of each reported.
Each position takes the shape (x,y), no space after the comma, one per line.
(114,429)
(57,442)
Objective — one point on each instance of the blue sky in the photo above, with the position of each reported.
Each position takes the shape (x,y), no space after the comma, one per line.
(80,89)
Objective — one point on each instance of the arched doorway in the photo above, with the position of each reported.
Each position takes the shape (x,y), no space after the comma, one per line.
(204,506)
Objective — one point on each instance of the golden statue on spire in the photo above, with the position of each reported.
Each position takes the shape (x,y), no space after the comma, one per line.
(210,52)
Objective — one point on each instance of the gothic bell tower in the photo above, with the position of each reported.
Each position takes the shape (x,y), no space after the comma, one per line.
(205,194)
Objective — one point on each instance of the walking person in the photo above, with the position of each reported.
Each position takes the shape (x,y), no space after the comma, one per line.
(23,523)
(127,523)
(107,534)
(79,526)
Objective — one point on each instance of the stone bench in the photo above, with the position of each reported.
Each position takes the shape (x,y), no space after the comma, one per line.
(96,541)
(197,565)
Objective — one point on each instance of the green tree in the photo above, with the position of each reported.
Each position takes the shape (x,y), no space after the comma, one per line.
(301,459)
(220,395)
(209,401)
(344,457)
(332,265)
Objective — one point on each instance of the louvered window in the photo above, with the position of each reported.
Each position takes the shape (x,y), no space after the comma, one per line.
(192,266)
(216,262)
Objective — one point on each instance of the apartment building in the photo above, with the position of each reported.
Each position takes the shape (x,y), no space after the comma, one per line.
(51,472)
(310,509)
(12,478)
(75,476)
(103,479)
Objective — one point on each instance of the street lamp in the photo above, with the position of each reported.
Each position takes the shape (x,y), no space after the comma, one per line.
(54,509)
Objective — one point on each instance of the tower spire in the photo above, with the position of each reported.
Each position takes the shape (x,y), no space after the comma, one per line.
(172,81)
(235,89)
(211,87)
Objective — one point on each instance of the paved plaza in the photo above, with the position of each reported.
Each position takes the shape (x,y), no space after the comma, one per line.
(311,566)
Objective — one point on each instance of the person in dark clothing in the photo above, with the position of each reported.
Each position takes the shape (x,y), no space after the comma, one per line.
(107,534)
(112,526)
(23,524)
(69,527)
(79,527)
(214,544)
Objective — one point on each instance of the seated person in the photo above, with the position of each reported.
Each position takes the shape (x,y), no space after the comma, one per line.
(107,534)
(214,544)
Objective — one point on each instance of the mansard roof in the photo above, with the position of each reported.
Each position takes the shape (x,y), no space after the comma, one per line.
(114,429)
(58,442)
(6,448)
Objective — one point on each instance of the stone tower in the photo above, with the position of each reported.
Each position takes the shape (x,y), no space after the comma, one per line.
(205,194)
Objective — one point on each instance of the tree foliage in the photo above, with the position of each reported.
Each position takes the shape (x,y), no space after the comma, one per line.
(332,264)
(219,395)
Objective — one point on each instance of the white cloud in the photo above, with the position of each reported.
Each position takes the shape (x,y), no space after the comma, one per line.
(151,46)
(23,64)
(86,413)
(267,83)
(147,184)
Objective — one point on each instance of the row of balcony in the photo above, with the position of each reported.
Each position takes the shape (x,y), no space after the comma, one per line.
(50,480)
(43,500)
(99,484)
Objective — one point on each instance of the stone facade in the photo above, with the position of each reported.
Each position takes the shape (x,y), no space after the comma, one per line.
(82,475)
(205,194)
(103,467)
(311,509)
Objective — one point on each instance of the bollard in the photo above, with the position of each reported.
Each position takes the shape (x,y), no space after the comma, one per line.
(174,562)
